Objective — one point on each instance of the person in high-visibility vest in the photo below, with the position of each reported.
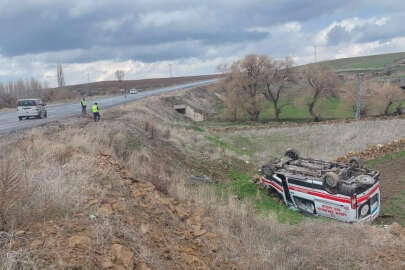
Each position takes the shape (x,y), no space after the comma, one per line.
(96,112)
(84,104)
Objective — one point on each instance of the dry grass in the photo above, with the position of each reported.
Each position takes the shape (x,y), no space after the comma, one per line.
(319,141)
(262,242)
(14,259)
(12,189)
(54,176)
(60,168)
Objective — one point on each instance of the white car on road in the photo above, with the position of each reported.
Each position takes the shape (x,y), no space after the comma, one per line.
(33,107)
(133,91)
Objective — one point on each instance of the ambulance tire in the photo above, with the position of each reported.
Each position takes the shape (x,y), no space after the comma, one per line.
(267,170)
(347,189)
(330,181)
(292,154)
(355,163)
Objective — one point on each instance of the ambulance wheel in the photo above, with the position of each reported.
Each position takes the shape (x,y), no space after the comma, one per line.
(330,181)
(267,170)
(292,153)
(20,118)
(355,163)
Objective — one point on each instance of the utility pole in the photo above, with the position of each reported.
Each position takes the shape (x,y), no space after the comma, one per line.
(358,96)
(315,58)
(88,77)
(170,70)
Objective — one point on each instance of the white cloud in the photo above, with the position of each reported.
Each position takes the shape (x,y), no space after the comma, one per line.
(113,24)
(83,7)
(289,27)
(99,36)
(321,38)
(160,18)
(353,50)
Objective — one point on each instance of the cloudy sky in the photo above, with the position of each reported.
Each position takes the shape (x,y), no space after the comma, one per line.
(93,38)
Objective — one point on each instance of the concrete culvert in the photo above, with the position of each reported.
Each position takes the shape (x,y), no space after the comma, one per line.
(180,109)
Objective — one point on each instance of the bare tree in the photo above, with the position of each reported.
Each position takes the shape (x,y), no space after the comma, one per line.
(12,90)
(376,97)
(247,76)
(60,75)
(322,81)
(119,74)
(233,100)
(348,93)
(277,75)
(385,96)
(390,94)
(230,93)
(223,68)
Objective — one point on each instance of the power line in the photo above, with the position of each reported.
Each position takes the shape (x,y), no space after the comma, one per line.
(358,105)
(315,56)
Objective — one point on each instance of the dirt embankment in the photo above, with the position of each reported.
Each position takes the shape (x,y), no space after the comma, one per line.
(376,151)
(127,225)
(391,170)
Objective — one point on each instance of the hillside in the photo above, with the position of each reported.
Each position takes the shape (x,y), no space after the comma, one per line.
(146,188)
(97,88)
(373,65)
(370,62)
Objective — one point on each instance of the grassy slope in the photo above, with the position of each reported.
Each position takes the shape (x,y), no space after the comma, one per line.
(384,159)
(324,141)
(395,205)
(244,189)
(366,62)
(331,108)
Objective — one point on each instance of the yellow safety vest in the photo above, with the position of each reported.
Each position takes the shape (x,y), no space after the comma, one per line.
(83,102)
(94,108)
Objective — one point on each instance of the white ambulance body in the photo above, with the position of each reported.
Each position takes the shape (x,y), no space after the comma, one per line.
(361,207)
(349,201)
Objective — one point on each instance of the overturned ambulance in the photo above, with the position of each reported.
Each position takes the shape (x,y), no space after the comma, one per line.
(347,192)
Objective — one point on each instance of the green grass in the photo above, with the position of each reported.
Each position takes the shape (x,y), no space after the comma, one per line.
(224,145)
(385,159)
(297,111)
(395,206)
(264,204)
(195,128)
(365,62)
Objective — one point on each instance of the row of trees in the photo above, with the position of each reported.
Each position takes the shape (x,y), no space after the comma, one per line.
(251,81)
(12,90)
(376,97)
(19,88)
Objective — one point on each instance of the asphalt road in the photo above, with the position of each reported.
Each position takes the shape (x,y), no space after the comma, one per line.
(9,120)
